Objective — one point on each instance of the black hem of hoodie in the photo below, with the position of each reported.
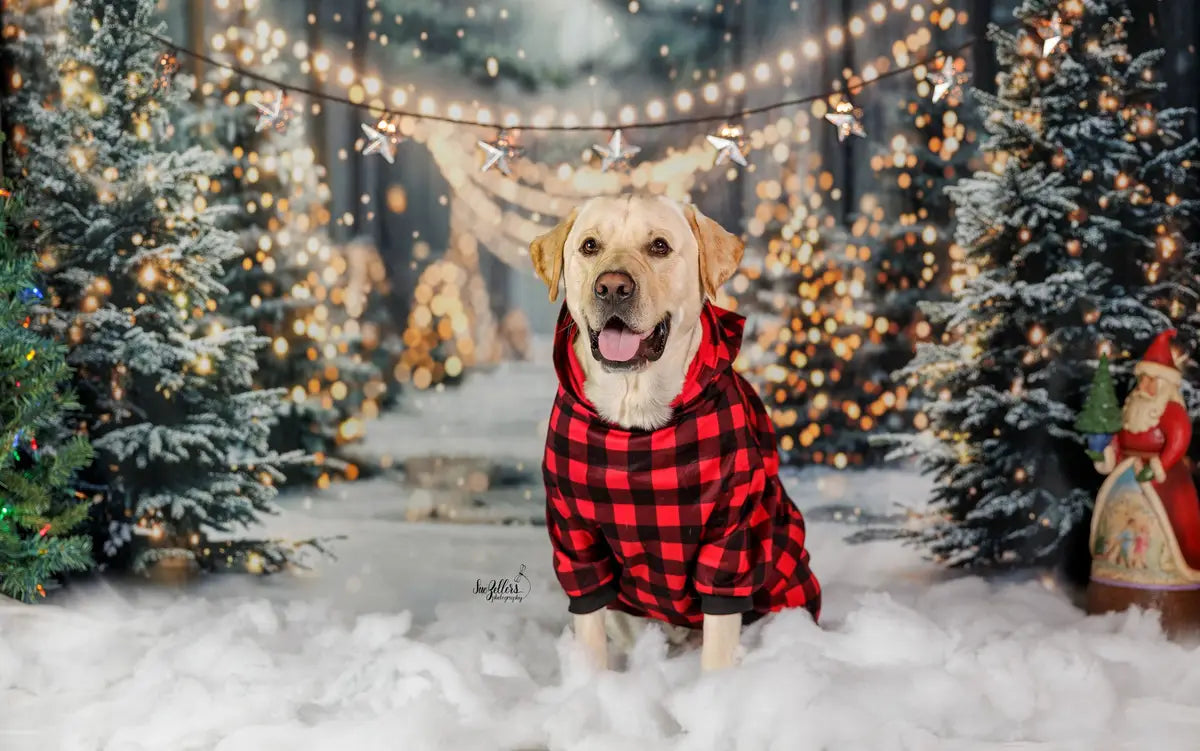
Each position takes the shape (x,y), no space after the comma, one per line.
(722,605)
(593,601)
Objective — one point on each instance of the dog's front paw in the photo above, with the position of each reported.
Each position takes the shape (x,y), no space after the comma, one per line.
(712,660)
(721,641)
(596,661)
(590,635)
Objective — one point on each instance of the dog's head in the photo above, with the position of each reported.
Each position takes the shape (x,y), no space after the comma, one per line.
(635,270)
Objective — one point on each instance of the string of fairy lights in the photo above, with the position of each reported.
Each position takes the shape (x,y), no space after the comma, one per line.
(321,62)
(385,134)
(784,63)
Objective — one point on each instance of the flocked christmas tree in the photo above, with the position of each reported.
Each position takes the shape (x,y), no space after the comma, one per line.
(1057,273)
(40,511)
(281,283)
(134,261)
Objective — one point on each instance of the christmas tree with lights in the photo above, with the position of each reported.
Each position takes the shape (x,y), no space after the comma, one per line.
(915,248)
(805,326)
(134,260)
(1062,265)
(40,511)
(281,283)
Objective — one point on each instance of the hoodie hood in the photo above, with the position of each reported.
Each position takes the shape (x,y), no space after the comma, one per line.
(720,340)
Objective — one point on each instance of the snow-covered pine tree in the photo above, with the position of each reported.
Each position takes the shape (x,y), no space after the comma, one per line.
(39,509)
(1175,288)
(1055,275)
(29,28)
(1159,209)
(912,256)
(281,284)
(134,261)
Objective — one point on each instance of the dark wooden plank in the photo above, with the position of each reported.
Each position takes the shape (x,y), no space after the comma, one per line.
(983,57)
(849,145)
(316,125)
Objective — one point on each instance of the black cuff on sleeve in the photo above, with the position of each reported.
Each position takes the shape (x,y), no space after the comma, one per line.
(593,601)
(719,605)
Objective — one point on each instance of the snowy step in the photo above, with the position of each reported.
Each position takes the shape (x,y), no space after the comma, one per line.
(475,474)
(847,514)
(512,505)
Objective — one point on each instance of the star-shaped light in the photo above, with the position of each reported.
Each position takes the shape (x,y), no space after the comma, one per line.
(845,119)
(1052,35)
(498,152)
(272,115)
(947,80)
(729,145)
(381,139)
(616,152)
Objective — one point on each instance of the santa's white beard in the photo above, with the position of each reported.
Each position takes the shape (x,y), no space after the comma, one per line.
(1143,411)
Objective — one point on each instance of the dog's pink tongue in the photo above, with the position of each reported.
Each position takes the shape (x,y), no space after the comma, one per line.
(619,344)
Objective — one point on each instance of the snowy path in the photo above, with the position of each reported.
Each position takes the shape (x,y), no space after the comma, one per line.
(500,414)
(388,647)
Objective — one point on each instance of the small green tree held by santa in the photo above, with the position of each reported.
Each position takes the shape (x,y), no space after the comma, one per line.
(1101,414)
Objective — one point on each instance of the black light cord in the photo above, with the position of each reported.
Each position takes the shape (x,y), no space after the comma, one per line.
(725,117)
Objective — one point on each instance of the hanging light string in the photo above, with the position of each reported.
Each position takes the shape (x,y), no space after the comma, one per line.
(695,119)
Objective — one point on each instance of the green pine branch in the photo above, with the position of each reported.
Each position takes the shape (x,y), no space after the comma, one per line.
(39,511)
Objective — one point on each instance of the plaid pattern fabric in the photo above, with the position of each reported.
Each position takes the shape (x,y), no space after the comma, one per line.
(681,521)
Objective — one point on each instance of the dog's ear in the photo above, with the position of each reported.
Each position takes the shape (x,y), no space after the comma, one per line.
(720,251)
(547,253)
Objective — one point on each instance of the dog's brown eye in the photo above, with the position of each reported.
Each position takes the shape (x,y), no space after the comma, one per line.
(660,246)
(589,246)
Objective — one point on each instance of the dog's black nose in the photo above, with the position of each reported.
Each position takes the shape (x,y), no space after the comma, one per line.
(614,286)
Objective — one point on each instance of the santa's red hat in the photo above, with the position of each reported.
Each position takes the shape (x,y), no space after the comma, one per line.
(1158,361)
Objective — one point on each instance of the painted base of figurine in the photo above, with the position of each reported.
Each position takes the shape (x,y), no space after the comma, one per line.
(1179,608)
(1136,560)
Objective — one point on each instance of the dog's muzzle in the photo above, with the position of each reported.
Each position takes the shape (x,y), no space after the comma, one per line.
(617,346)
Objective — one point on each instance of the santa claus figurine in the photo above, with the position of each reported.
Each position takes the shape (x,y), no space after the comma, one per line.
(1156,433)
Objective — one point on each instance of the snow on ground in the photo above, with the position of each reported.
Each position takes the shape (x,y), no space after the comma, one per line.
(388,647)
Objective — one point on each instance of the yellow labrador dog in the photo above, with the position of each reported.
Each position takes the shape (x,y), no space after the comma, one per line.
(646,531)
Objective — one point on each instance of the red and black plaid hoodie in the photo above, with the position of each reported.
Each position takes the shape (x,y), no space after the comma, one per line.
(684,520)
